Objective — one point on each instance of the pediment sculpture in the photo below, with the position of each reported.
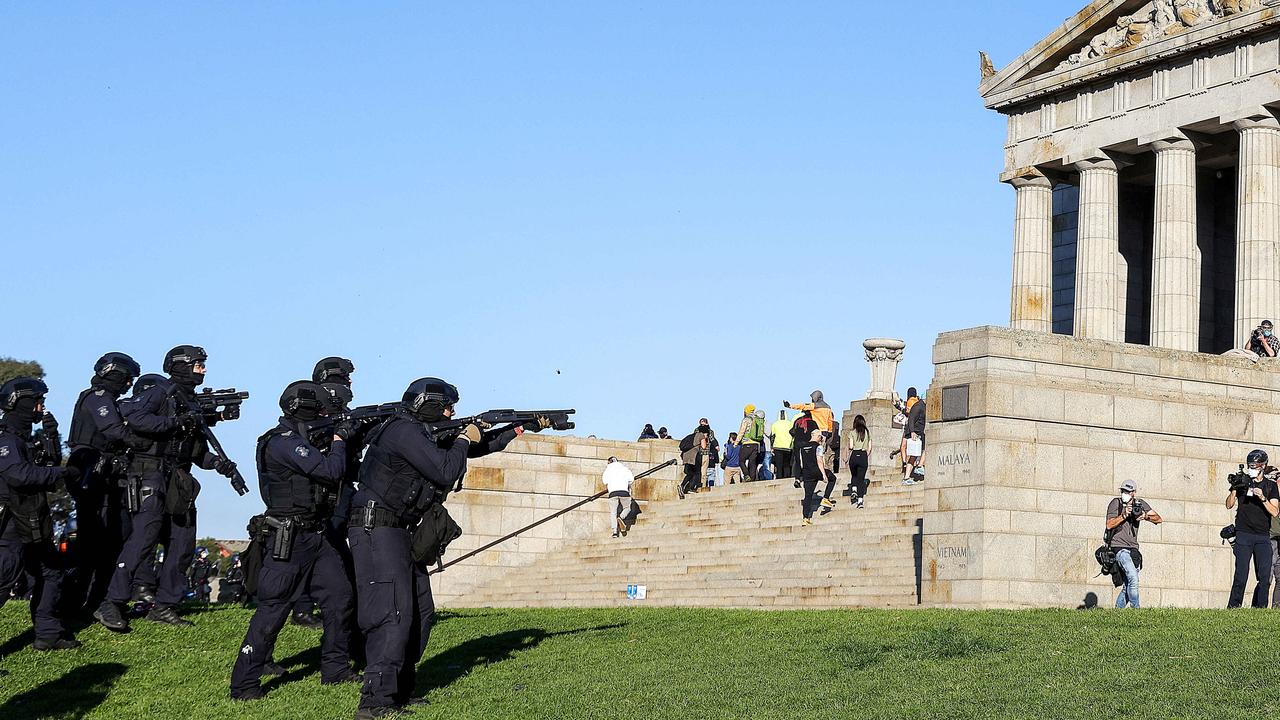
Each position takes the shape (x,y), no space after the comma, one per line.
(1155,20)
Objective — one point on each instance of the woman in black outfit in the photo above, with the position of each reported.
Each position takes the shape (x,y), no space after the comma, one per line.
(859,450)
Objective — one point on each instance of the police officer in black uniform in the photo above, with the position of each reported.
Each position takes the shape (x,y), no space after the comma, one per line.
(99,442)
(336,371)
(406,470)
(299,486)
(166,414)
(26,526)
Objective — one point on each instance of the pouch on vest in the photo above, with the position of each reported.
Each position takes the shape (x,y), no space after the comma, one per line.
(182,492)
(31,517)
(433,534)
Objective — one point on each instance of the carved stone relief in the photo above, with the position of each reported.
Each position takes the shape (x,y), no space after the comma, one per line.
(1156,19)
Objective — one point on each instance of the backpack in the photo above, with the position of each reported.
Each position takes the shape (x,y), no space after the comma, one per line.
(755,433)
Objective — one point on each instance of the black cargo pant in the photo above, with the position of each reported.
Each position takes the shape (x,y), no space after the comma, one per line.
(1251,549)
(45,565)
(781,463)
(150,526)
(395,612)
(103,526)
(317,564)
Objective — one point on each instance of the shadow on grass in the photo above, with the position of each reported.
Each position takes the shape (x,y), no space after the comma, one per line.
(17,642)
(309,664)
(946,642)
(444,669)
(73,695)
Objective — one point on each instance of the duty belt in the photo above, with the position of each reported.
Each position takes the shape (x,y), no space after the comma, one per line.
(371,516)
(301,523)
(146,463)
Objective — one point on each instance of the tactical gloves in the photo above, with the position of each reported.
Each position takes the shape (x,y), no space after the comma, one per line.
(471,433)
(224,467)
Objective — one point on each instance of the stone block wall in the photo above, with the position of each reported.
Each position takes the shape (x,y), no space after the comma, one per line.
(1018,489)
(534,477)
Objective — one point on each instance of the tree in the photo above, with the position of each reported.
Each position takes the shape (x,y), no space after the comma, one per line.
(10,369)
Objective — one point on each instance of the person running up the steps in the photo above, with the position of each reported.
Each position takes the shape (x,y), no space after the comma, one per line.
(810,454)
(618,479)
(750,431)
(822,414)
(859,452)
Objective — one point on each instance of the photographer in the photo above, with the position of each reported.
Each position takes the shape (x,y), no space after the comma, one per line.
(1254,491)
(1124,514)
(1262,341)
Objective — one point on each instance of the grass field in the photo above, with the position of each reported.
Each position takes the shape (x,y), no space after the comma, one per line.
(696,664)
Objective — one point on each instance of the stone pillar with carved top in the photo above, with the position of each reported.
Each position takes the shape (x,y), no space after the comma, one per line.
(1175,269)
(1031,305)
(1097,309)
(1257,222)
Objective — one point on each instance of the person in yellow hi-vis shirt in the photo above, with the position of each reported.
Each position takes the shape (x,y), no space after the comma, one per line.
(781,432)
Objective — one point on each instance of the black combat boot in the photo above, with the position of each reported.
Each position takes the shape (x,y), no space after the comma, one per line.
(108,613)
(166,614)
(59,644)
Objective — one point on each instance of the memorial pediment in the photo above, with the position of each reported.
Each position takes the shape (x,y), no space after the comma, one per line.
(1111,36)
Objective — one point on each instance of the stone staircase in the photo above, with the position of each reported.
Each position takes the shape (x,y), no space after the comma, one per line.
(737,546)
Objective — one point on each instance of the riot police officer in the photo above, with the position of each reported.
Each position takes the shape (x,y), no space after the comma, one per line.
(299,485)
(99,442)
(334,372)
(161,485)
(26,526)
(407,470)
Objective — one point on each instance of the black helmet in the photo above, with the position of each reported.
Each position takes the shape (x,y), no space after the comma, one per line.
(339,397)
(146,382)
(16,391)
(333,370)
(116,365)
(304,400)
(183,355)
(427,398)
(1257,456)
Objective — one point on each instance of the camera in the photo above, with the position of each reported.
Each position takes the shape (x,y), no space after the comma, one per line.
(1239,480)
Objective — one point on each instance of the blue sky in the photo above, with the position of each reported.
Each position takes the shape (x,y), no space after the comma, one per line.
(649,212)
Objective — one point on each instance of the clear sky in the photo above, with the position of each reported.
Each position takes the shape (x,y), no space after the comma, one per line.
(645,211)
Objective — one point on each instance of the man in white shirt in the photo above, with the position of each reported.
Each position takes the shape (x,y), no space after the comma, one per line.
(617,481)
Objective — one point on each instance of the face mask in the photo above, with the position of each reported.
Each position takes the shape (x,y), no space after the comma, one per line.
(1252,472)
(1126,497)
(1266,333)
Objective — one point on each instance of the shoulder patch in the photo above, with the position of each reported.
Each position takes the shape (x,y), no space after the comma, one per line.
(4,451)
(302,450)
(102,411)
(99,392)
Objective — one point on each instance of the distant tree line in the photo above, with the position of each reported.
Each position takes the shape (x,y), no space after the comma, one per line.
(10,369)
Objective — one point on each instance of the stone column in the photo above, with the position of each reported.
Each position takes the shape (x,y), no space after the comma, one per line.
(1031,307)
(1257,222)
(1175,269)
(883,354)
(1097,315)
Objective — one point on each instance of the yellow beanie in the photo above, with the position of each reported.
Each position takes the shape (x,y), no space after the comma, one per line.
(748,409)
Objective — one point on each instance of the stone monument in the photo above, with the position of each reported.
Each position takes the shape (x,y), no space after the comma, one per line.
(1144,152)
(883,356)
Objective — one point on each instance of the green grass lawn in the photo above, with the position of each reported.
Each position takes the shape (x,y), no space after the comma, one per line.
(696,664)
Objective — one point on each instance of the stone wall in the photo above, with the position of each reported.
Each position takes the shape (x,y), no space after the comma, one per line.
(533,478)
(1018,488)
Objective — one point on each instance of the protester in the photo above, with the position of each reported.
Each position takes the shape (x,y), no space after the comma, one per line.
(694,450)
(663,434)
(913,438)
(810,454)
(647,433)
(750,430)
(780,432)
(858,462)
(1124,514)
(1259,502)
(710,458)
(764,464)
(618,480)
(801,427)
(822,414)
(732,459)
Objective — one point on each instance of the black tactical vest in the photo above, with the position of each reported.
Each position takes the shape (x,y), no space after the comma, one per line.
(288,493)
(405,491)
